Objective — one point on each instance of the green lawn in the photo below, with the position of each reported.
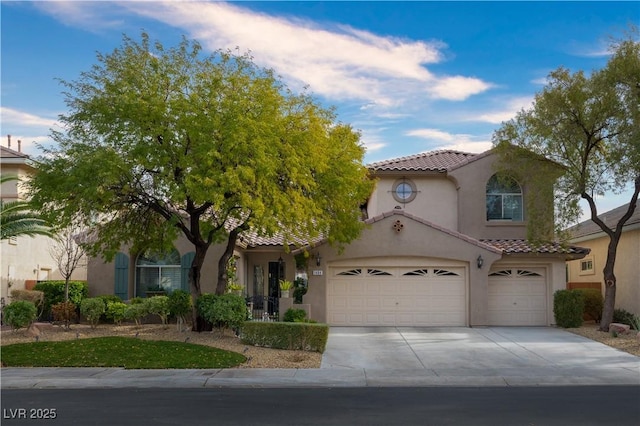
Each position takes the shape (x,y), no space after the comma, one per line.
(124,352)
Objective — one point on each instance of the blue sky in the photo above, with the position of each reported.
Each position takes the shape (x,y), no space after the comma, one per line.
(411,76)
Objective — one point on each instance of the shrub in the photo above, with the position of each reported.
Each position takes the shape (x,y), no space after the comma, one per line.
(286,335)
(92,309)
(158,305)
(19,314)
(65,312)
(625,317)
(34,296)
(135,312)
(223,311)
(568,308)
(295,315)
(593,302)
(54,293)
(115,311)
(136,300)
(180,305)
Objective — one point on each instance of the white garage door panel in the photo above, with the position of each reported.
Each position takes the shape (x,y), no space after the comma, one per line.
(397,299)
(518,297)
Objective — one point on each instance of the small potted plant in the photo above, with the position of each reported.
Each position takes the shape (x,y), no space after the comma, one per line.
(285,286)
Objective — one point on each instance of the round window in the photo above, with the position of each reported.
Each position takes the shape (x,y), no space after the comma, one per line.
(404,191)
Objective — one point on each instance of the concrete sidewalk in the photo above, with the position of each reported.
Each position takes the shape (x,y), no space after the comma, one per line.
(78,378)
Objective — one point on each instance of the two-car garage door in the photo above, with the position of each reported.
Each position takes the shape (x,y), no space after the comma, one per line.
(397,296)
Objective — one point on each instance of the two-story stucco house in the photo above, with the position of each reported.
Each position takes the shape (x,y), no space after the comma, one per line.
(444,246)
(25,260)
(588,270)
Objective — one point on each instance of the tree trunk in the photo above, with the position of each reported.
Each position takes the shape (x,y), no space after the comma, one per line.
(609,283)
(198,323)
(221,286)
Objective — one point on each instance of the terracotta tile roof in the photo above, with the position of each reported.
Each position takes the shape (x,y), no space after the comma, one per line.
(439,161)
(610,218)
(524,247)
(10,153)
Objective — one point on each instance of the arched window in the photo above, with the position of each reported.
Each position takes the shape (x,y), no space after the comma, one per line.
(504,199)
(157,272)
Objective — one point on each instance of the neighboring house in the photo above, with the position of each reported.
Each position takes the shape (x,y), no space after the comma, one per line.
(25,259)
(627,266)
(444,246)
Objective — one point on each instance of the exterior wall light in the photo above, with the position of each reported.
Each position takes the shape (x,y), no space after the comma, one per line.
(318,259)
(480,261)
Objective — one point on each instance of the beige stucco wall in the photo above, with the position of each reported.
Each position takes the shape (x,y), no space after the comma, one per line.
(25,258)
(416,239)
(627,268)
(436,200)
(472,183)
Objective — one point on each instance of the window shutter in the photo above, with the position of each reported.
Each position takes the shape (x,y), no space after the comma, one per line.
(185,265)
(121,285)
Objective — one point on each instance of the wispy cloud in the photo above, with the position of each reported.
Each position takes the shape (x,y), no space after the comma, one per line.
(509,109)
(440,139)
(13,117)
(336,61)
(94,16)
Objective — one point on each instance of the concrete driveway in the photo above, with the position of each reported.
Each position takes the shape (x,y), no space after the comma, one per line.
(498,352)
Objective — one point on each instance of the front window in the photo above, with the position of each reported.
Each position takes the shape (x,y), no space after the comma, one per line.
(157,272)
(504,199)
(404,191)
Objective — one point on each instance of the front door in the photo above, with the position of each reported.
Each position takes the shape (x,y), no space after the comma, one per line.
(276,273)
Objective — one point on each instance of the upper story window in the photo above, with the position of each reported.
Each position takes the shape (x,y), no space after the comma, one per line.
(404,190)
(504,199)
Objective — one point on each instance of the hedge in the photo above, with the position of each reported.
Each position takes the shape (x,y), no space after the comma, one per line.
(286,335)
(568,308)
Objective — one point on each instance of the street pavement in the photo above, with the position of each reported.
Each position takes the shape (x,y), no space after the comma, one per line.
(389,357)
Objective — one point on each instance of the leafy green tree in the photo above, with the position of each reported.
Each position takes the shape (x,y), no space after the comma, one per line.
(589,125)
(18,217)
(161,142)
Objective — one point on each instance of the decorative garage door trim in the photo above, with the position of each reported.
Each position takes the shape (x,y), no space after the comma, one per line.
(390,296)
(518,297)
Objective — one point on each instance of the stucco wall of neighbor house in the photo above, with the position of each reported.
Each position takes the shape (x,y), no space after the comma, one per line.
(472,181)
(627,268)
(381,240)
(436,199)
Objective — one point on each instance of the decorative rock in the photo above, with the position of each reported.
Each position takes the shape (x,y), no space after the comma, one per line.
(638,336)
(619,328)
(33,331)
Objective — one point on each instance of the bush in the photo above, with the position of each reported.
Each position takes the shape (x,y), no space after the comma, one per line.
(286,335)
(65,312)
(135,312)
(223,311)
(54,293)
(295,315)
(625,317)
(93,309)
(115,311)
(593,302)
(136,300)
(34,296)
(568,308)
(180,305)
(158,305)
(19,314)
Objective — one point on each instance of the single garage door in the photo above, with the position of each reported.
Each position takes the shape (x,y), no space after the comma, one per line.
(518,297)
(421,296)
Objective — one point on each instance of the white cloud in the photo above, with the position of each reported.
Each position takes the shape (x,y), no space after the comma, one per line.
(17,118)
(90,16)
(457,141)
(336,61)
(509,110)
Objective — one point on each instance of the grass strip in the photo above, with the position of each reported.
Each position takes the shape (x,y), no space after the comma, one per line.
(127,352)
